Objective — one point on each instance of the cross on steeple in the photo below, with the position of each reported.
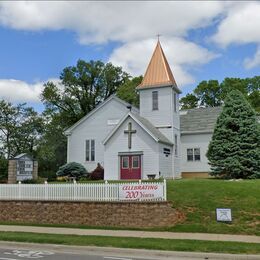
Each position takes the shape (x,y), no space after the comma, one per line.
(158,36)
(130,131)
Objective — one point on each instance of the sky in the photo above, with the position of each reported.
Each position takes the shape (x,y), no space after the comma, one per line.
(202,40)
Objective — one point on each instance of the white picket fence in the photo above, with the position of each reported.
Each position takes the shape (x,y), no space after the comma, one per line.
(129,191)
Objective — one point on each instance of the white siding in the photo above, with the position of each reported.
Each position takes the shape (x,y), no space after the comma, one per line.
(94,127)
(165,162)
(195,141)
(159,117)
(164,116)
(141,141)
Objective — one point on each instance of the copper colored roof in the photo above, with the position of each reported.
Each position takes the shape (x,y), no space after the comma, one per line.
(158,73)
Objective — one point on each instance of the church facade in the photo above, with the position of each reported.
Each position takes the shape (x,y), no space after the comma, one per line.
(155,140)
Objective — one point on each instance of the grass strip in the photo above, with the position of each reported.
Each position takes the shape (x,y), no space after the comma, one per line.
(138,243)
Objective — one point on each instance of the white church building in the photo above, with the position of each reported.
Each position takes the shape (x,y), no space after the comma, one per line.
(156,140)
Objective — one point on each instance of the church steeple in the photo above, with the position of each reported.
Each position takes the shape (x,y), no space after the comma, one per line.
(158,73)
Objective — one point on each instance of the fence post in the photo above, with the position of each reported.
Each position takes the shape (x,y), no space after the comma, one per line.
(74,190)
(165,189)
(45,190)
(106,190)
(19,190)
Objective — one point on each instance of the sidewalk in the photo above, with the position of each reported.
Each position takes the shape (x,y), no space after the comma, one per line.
(130,233)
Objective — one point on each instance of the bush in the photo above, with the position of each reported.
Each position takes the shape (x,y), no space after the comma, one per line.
(33,181)
(3,170)
(72,169)
(49,175)
(98,173)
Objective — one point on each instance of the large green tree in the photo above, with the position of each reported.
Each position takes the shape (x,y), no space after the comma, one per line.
(20,129)
(128,91)
(234,151)
(212,93)
(209,93)
(83,87)
(189,101)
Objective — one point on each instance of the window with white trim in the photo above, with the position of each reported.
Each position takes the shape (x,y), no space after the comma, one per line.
(125,162)
(193,154)
(90,150)
(135,162)
(155,100)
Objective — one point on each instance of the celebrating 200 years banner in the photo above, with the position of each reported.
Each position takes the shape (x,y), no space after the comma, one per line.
(141,191)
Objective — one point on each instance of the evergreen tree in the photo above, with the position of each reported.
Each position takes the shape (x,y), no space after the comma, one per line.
(234,151)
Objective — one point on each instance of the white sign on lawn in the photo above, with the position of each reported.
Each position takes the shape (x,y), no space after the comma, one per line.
(139,191)
(224,215)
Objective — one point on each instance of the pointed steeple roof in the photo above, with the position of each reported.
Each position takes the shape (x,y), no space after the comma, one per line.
(158,72)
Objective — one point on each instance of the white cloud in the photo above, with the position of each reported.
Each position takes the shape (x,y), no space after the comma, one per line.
(250,63)
(134,57)
(241,25)
(20,91)
(98,22)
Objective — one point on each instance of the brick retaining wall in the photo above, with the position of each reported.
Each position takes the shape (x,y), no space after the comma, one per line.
(120,214)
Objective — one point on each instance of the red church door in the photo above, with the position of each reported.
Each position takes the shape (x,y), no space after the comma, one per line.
(130,167)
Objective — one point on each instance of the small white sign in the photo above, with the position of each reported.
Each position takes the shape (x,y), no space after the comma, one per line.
(112,121)
(141,191)
(224,215)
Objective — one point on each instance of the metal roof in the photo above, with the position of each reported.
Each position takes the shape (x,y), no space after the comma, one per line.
(158,72)
(199,120)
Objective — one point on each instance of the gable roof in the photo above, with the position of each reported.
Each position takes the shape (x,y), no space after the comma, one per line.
(112,97)
(158,72)
(199,120)
(145,125)
(19,156)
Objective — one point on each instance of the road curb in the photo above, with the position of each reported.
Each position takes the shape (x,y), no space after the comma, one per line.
(123,252)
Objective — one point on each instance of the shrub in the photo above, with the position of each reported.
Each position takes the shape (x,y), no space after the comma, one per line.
(98,173)
(72,169)
(33,181)
(3,170)
(49,175)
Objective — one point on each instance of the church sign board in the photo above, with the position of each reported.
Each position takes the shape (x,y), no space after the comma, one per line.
(24,167)
(139,191)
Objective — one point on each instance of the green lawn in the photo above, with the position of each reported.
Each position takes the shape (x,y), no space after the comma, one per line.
(199,199)
(144,243)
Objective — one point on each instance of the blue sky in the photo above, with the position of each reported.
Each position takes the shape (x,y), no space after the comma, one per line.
(202,40)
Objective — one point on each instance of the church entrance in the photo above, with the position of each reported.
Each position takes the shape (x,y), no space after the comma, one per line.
(130,167)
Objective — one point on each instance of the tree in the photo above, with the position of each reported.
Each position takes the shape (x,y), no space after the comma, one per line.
(83,87)
(20,129)
(234,151)
(208,93)
(189,101)
(254,92)
(52,148)
(211,93)
(128,91)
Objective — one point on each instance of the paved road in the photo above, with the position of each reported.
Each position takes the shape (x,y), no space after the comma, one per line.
(23,251)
